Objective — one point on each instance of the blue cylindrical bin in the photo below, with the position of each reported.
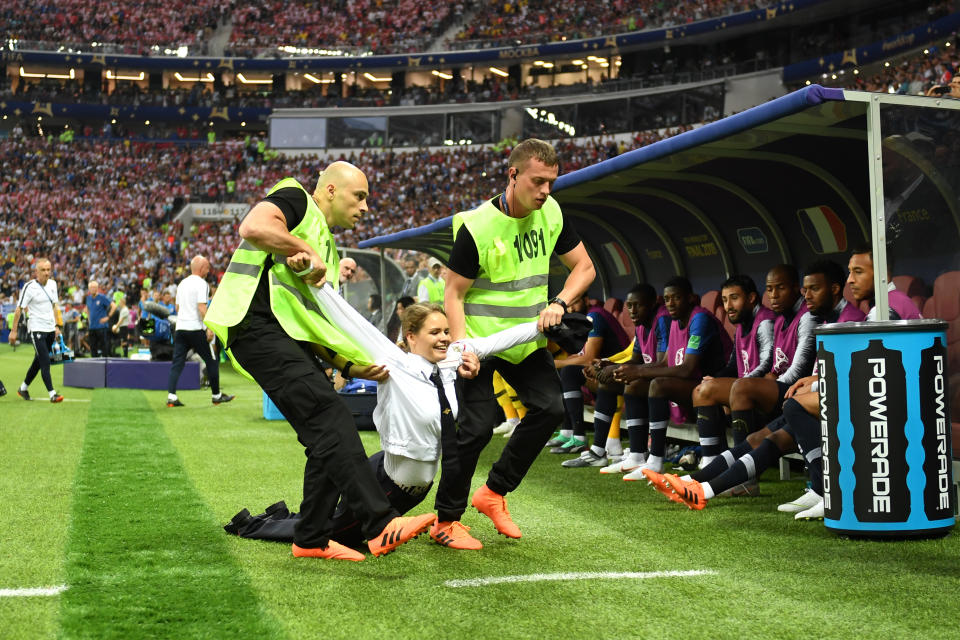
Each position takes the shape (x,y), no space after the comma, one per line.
(885,427)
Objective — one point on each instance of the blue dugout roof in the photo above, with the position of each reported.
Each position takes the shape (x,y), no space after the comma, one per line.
(784,182)
(707,202)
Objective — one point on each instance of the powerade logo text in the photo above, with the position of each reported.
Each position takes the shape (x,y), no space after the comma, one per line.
(879,437)
(935,415)
(829,442)
(879,415)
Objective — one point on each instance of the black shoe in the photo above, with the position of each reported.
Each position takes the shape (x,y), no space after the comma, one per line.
(277,511)
(239,521)
(223,398)
(3,389)
(175,403)
(23,394)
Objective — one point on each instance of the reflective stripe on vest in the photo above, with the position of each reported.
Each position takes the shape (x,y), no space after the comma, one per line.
(514,256)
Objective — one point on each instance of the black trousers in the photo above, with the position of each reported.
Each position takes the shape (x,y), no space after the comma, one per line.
(99,341)
(278,524)
(537,385)
(336,463)
(183,341)
(42,343)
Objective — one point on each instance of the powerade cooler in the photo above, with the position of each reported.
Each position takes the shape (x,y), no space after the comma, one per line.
(885,427)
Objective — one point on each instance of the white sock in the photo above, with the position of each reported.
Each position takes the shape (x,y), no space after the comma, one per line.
(582,438)
(23,386)
(217,397)
(638,457)
(513,421)
(566,433)
(705,460)
(687,478)
(655,461)
(614,447)
(600,452)
(707,490)
(171,397)
(53,393)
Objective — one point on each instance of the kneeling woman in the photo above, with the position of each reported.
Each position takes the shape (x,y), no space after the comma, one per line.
(415,414)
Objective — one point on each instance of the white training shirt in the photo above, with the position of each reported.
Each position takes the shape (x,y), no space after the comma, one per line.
(193,290)
(38,302)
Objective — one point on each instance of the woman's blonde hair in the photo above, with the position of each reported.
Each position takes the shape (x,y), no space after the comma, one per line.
(413,317)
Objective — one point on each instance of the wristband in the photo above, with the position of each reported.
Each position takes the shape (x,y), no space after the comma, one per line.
(345,372)
(557,300)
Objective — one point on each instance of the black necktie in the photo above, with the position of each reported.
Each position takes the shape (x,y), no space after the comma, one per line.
(448,426)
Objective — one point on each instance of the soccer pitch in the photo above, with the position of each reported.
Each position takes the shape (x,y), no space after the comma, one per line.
(115,504)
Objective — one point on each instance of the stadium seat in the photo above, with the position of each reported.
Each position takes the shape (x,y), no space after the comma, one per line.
(913,287)
(946,290)
(627,323)
(712,302)
(614,306)
(929,308)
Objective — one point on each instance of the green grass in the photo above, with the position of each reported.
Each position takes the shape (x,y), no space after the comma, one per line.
(123,500)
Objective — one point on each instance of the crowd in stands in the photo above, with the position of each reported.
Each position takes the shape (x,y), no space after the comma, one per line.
(542,21)
(136,26)
(376,26)
(382,26)
(103,208)
(910,76)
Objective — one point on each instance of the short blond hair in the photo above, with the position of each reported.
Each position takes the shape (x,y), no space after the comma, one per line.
(533,148)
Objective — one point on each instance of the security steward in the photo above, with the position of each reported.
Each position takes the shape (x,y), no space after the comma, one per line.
(265,315)
(497,278)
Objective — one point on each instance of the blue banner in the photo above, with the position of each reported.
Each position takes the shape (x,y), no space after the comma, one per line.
(874,52)
(127,112)
(506,56)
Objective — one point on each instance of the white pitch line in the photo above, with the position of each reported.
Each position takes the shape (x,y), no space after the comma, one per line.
(76,399)
(606,575)
(36,591)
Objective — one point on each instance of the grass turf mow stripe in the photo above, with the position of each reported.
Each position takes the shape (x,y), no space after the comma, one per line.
(589,575)
(31,592)
(146,558)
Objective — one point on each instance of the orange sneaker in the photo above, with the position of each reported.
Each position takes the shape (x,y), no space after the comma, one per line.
(689,492)
(454,535)
(333,551)
(398,531)
(659,482)
(494,506)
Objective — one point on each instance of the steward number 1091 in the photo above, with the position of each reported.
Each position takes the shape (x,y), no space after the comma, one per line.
(530,244)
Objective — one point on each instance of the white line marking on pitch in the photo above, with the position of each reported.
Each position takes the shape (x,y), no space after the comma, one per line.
(607,575)
(76,399)
(36,591)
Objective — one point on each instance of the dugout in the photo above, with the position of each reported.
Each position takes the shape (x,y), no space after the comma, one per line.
(803,177)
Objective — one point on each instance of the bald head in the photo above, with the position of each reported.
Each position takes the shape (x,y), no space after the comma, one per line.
(43,269)
(348,267)
(199,266)
(341,194)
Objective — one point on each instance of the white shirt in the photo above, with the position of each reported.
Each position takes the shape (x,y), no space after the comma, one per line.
(407,414)
(191,292)
(38,302)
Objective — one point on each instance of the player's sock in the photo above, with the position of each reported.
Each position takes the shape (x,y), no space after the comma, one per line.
(659,414)
(747,467)
(635,411)
(711,430)
(603,410)
(743,423)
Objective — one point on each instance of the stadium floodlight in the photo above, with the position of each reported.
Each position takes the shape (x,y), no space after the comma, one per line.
(577,62)
(548,65)
(499,72)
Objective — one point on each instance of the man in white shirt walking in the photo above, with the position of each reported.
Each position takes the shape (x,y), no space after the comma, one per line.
(192,296)
(40,298)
